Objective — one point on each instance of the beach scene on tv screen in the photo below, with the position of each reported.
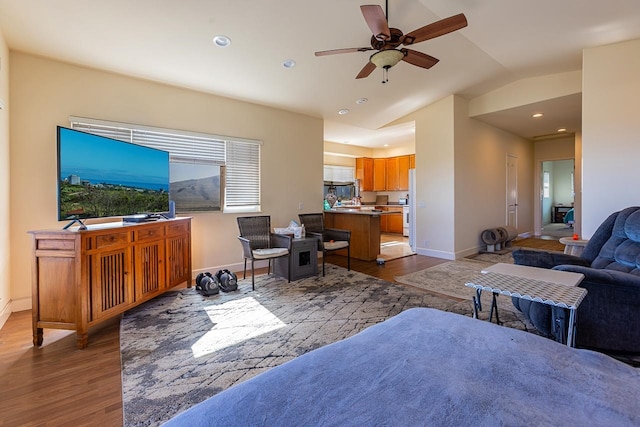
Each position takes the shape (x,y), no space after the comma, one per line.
(102,177)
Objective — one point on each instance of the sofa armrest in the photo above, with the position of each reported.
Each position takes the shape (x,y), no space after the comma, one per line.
(544,259)
(604,277)
(608,315)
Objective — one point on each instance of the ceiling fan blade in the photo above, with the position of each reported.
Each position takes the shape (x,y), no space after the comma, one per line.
(436,29)
(419,59)
(366,70)
(347,50)
(376,21)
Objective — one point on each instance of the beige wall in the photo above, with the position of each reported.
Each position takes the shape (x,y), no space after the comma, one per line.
(435,191)
(5,255)
(461,178)
(527,91)
(480,179)
(610,131)
(45,93)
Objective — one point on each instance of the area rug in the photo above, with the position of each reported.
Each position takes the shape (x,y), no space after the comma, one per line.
(181,348)
(449,278)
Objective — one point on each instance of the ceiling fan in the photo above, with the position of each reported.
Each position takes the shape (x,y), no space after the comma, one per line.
(386,41)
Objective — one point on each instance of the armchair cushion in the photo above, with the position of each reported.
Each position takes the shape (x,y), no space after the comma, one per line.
(269,253)
(332,246)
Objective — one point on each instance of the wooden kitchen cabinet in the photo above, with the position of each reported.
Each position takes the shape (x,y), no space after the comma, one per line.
(384,174)
(379,174)
(403,173)
(398,173)
(364,172)
(394,223)
(392,174)
(83,277)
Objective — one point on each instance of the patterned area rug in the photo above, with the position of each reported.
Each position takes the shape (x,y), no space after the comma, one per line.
(181,348)
(449,278)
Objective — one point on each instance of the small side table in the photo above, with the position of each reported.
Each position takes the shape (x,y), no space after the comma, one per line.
(555,288)
(303,258)
(573,247)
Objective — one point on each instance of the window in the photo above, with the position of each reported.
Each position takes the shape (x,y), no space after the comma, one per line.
(546,187)
(198,164)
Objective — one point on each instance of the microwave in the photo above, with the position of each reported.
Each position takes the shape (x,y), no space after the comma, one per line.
(403,201)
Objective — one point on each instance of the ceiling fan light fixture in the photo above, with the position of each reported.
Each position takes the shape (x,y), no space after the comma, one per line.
(386,58)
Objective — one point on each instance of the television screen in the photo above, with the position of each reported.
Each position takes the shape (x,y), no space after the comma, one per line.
(102,177)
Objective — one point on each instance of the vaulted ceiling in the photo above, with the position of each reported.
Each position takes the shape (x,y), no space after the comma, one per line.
(171,41)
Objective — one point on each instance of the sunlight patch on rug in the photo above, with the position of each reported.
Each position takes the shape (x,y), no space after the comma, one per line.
(234,322)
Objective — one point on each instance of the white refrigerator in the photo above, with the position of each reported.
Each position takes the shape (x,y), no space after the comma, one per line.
(412,209)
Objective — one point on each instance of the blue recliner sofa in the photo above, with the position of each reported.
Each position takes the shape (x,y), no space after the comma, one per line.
(609,316)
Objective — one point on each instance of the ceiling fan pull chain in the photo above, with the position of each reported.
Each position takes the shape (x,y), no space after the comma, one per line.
(385,75)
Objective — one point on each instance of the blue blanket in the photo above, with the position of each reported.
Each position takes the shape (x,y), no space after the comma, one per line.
(428,367)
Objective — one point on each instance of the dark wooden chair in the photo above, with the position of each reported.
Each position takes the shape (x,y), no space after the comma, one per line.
(259,243)
(329,239)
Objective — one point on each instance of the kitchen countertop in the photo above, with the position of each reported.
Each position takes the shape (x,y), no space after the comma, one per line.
(357,211)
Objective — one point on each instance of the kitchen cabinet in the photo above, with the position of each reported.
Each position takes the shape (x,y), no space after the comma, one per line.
(403,173)
(379,174)
(394,223)
(384,174)
(398,173)
(391,220)
(364,172)
(393,174)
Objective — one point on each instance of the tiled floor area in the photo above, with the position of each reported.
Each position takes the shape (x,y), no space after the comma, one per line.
(394,246)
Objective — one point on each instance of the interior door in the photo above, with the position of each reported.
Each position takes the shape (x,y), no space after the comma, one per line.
(512,191)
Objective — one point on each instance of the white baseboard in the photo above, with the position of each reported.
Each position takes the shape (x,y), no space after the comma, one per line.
(4,314)
(435,254)
(237,267)
(21,304)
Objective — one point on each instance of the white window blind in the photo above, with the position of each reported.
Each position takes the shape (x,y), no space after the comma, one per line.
(243,164)
(241,157)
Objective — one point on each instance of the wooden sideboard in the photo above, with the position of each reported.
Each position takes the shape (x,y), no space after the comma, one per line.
(83,277)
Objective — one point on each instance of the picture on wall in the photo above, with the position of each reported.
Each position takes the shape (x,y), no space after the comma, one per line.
(195,187)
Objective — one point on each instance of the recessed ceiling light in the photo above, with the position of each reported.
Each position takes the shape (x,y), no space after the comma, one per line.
(343,111)
(289,63)
(562,130)
(537,115)
(361,100)
(386,145)
(222,41)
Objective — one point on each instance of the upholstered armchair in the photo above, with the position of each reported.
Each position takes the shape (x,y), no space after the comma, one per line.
(259,243)
(608,318)
(329,239)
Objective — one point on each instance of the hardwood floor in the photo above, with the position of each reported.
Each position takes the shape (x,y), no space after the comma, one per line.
(59,385)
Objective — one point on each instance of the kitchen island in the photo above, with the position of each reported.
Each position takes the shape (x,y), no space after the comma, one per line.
(365,230)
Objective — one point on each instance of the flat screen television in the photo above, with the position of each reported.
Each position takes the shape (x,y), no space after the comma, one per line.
(103,177)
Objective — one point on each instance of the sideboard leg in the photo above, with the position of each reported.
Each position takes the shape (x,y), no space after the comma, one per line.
(38,337)
(82,340)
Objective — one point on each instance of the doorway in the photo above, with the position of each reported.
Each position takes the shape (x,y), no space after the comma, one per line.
(557,198)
